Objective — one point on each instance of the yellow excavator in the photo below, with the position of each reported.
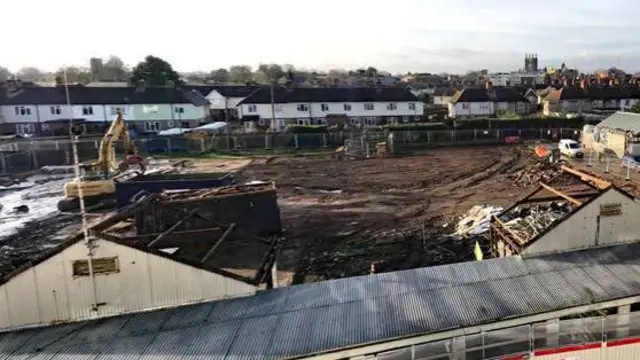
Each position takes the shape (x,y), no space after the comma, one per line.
(98,181)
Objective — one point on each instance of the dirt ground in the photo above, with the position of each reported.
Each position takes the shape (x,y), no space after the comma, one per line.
(341,216)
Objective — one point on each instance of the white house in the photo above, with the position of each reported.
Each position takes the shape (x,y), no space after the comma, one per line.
(225,99)
(489,101)
(313,106)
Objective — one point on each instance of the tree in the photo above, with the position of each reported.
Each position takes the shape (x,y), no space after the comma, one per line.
(4,74)
(74,75)
(372,72)
(635,108)
(154,71)
(114,69)
(30,74)
(240,74)
(220,76)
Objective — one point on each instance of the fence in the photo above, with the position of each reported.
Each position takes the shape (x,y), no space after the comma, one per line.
(610,164)
(525,340)
(23,156)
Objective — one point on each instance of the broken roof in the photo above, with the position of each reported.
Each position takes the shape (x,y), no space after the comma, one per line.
(349,313)
(624,121)
(209,247)
(533,216)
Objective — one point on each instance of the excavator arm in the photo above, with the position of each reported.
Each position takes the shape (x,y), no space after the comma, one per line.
(106,163)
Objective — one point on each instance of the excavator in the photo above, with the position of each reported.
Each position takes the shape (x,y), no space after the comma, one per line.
(99,180)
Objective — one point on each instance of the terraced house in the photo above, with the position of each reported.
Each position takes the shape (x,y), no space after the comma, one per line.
(585,97)
(490,101)
(276,108)
(34,110)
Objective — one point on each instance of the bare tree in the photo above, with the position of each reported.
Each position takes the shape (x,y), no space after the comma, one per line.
(261,77)
(30,74)
(220,76)
(74,75)
(240,74)
(273,72)
(4,73)
(114,69)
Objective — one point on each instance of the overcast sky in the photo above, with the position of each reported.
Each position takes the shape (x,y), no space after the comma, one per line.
(397,35)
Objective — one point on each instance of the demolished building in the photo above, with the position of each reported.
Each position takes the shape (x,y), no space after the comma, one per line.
(165,250)
(573,210)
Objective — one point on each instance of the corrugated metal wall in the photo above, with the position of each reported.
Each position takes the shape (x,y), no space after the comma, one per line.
(50,293)
(581,230)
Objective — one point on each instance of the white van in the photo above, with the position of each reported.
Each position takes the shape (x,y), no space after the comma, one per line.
(570,148)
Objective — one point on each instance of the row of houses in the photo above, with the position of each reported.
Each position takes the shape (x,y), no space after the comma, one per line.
(580,98)
(34,110)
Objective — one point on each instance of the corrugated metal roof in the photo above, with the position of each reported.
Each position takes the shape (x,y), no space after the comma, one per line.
(623,121)
(325,316)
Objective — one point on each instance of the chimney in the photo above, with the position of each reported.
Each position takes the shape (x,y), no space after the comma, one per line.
(488,85)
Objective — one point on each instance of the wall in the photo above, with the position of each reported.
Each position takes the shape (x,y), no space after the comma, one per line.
(290,111)
(580,230)
(152,112)
(49,293)
(471,109)
(9,115)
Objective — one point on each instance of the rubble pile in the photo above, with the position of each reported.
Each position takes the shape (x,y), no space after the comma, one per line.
(529,220)
(533,174)
(476,221)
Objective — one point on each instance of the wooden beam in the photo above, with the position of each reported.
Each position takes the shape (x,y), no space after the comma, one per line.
(220,240)
(508,231)
(599,183)
(561,194)
(173,228)
(174,235)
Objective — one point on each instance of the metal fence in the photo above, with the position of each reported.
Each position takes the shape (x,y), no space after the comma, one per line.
(28,155)
(523,339)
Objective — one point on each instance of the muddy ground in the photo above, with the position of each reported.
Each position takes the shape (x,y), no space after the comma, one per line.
(341,216)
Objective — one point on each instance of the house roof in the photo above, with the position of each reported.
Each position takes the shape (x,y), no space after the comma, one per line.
(24,251)
(327,95)
(495,94)
(346,313)
(624,121)
(82,95)
(593,92)
(236,91)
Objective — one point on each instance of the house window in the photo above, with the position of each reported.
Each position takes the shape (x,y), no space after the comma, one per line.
(25,129)
(392,106)
(465,106)
(260,121)
(152,126)
(412,106)
(55,110)
(368,106)
(302,107)
(247,125)
(100,266)
(406,119)
(324,107)
(179,110)
(87,110)
(354,121)
(116,109)
(22,110)
(252,108)
(370,121)
(303,122)
(627,102)
(277,108)
(347,107)
(392,120)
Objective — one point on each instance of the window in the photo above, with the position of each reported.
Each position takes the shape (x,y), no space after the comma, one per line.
(22,110)
(354,121)
(151,126)
(392,106)
(627,102)
(324,107)
(368,106)
(247,125)
(252,108)
(370,121)
(99,266)
(87,110)
(465,106)
(115,109)
(179,110)
(260,121)
(406,119)
(303,122)
(24,129)
(392,120)
(277,108)
(412,106)
(611,209)
(303,107)
(55,110)
(347,107)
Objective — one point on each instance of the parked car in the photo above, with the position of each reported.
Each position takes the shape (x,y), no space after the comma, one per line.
(570,148)
(631,161)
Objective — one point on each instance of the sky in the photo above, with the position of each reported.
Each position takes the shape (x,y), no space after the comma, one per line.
(396,36)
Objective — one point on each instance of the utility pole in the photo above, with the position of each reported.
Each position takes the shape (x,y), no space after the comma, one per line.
(273,108)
